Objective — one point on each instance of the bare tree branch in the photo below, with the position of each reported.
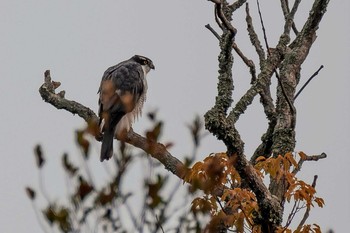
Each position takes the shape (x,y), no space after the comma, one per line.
(290,73)
(307,82)
(293,57)
(157,150)
(254,39)
(262,25)
(282,42)
(289,17)
(308,33)
(308,158)
(217,20)
(234,6)
(246,60)
(47,92)
(262,82)
(221,15)
(264,91)
(292,214)
(286,11)
(213,31)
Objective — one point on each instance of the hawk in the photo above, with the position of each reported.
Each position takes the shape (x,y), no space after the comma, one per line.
(122,93)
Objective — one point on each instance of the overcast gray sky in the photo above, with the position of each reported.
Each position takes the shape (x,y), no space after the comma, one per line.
(78,39)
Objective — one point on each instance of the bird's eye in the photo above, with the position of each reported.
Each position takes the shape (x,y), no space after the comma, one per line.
(145,62)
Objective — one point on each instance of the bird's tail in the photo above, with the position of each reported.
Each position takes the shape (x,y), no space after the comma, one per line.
(107,144)
(108,136)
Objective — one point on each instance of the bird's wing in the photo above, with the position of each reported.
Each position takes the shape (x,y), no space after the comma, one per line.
(107,90)
(121,89)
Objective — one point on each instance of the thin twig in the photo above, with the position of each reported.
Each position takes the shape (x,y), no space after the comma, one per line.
(87,170)
(131,215)
(217,18)
(292,214)
(159,224)
(289,17)
(245,215)
(308,81)
(220,204)
(262,26)
(246,60)
(308,158)
(286,10)
(307,34)
(292,109)
(42,186)
(212,31)
(224,21)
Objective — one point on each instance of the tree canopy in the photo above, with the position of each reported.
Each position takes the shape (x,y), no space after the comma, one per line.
(234,194)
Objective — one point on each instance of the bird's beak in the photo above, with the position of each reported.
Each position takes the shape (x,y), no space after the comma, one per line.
(152,66)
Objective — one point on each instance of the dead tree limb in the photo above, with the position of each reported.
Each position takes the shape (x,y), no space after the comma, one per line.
(155,149)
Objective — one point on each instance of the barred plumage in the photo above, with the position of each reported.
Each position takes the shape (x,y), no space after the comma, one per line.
(122,95)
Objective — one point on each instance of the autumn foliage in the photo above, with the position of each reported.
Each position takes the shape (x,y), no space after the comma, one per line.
(237,207)
(226,191)
(216,194)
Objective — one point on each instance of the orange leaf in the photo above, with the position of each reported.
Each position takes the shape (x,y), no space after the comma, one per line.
(260,159)
(290,178)
(286,165)
(317,228)
(256,229)
(291,159)
(304,195)
(240,223)
(319,201)
(197,167)
(302,155)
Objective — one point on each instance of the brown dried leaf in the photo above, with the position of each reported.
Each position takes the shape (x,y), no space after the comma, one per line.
(319,201)
(68,166)
(39,156)
(154,134)
(302,155)
(83,142)
(84,188)
(30,193)
(291,159)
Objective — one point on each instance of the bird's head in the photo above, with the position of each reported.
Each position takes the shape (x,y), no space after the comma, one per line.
(145,62)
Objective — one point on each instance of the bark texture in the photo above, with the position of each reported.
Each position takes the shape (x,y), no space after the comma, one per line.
(282,62)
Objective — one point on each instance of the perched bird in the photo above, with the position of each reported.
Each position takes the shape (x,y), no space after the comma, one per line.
(122,94)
